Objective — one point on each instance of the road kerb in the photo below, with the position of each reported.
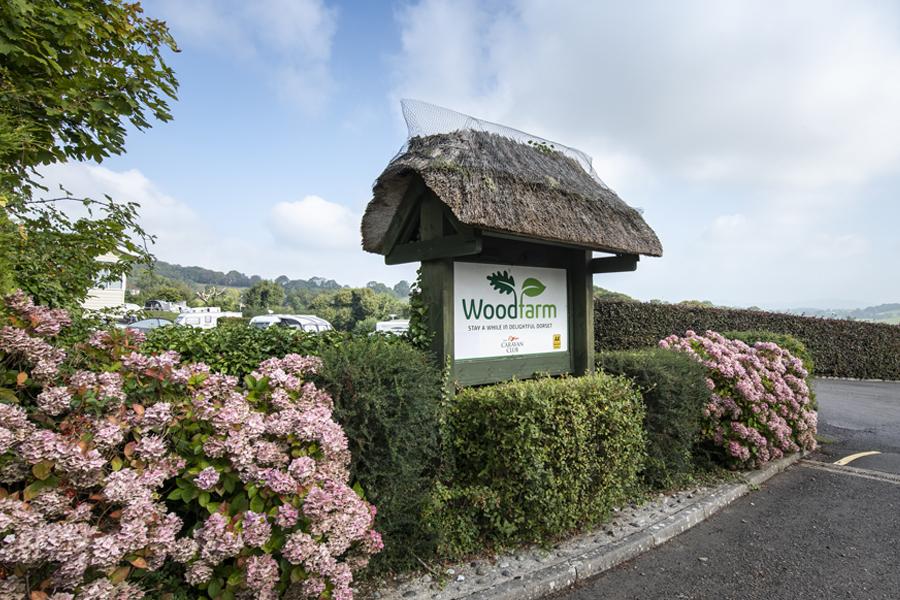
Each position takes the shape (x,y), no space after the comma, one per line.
(593,562)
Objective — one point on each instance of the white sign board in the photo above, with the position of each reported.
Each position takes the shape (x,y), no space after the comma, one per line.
(504,310)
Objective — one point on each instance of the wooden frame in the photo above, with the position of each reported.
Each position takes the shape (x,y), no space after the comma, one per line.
(425,230)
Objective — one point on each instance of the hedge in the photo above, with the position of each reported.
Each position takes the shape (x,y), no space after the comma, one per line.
(528,461)
(840,348)
(386,396)
(236,350)
(675,393)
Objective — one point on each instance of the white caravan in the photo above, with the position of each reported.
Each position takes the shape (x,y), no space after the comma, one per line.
(305,322)
(206,317)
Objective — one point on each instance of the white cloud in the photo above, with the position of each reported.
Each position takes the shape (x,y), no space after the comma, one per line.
(315,223)
(796,93)
(751,133)
(176,226)
(309,237)
(288,40)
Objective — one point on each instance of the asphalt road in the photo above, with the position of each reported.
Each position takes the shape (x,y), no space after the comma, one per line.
(807,533)
(859,416)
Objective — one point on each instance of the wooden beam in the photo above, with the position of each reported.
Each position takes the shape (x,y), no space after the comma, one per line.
(615,264)
(446,247)
(581,338)
(406,211)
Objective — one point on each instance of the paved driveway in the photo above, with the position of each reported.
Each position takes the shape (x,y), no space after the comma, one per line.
(819,530)
(857,417)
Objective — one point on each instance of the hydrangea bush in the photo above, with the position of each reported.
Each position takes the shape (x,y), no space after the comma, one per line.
(115,465)
(760,406)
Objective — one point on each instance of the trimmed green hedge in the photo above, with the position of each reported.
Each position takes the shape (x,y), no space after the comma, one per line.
(237,350)
(840,348)
(528,461)
(674,389)
(386,396)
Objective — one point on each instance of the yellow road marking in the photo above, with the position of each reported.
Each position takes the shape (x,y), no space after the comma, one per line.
(849,459)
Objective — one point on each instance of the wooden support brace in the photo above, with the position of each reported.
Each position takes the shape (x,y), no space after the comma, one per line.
(445,247)
(615,264)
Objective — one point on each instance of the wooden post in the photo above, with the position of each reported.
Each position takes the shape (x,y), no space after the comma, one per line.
(582,290)
(437,283)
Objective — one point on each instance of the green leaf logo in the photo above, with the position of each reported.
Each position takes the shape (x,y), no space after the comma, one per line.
(532,287)
(502,282)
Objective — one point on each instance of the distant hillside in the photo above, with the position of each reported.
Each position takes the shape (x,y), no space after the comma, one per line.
(883,313)
(201,277)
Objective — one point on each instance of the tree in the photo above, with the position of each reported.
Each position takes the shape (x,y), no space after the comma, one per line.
(210,295)
(379,288)
(73,77)
(348,307)
(402,289)
(264,295)
(604,295)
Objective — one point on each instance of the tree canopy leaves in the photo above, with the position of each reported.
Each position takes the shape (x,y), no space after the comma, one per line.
(74,75)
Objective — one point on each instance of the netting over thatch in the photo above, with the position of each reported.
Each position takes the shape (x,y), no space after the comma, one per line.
(524,186)
(424,119)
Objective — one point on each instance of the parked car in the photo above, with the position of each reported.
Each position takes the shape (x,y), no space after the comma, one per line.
(304,322)
(145,325)
(206,317)
(394,326)
(165,305)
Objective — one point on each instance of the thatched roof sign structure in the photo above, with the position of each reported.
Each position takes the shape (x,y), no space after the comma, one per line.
(505,225)
(495,184)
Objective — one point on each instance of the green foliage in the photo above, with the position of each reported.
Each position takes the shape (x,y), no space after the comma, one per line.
(54,257)
(674,389)
(840,348)
(528,461)
(347,307)
(73,78)
(236,350)
(75,75)
(785,340)
(604,295)
(387,397)
(264,295)
(418,333)
(8,234)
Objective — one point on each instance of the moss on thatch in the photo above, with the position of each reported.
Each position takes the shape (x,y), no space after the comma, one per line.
(497,184)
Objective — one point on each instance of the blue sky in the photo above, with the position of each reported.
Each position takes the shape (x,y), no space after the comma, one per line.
(762,141)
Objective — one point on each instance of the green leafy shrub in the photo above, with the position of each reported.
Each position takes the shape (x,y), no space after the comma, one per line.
(675,393)
(236,350)
(784,340)
(233,322)
(128,474)
(527,461)
(760,407)
(387,397)
(840,348)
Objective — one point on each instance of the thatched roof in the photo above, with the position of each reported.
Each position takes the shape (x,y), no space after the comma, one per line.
(496,184)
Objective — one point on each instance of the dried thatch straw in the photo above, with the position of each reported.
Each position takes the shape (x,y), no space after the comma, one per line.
(496,184)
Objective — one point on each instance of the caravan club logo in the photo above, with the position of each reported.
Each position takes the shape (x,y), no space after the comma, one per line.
(505,284)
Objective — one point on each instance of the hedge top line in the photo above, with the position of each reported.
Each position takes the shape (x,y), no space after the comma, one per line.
(840,348)
(493,183)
